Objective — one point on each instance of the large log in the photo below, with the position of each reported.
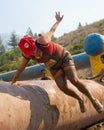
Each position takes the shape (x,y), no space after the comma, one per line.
(40,105)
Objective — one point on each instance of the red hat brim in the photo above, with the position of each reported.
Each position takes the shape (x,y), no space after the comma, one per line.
(27,45)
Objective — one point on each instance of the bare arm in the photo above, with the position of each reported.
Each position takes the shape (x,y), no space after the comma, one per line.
(54,27)
(20,69)
(46,38)
(102,75)
(97,75)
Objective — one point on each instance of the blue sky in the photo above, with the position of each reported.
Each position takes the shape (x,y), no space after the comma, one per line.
(18,15)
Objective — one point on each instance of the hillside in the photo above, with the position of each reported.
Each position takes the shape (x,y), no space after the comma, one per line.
(72,41)
(77,36)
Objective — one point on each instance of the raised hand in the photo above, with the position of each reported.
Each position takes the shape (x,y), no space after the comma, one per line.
(58,17)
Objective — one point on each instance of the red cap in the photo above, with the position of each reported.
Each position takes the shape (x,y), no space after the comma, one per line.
(27,45)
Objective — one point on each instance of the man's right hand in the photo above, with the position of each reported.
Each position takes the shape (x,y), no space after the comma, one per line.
(58,17)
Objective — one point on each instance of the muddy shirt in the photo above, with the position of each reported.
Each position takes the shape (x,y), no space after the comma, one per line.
(52,48)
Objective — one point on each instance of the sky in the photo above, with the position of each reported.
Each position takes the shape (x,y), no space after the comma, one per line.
(39,15)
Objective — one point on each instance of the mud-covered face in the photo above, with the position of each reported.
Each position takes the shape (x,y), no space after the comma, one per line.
(102,60)
(37,54)
(43,71)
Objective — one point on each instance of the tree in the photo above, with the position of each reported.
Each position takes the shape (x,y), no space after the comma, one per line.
(2,48)
(13,40)
(35,35)
(54,38)
(29,32)
(79,25)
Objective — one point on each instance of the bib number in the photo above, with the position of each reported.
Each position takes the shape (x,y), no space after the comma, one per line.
(50,63)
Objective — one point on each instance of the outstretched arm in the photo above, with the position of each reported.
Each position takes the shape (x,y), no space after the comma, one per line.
(54,27)
(97,75)
(46,38)
(20,69)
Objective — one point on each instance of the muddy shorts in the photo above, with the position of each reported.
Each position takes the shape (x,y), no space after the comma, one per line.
(65,60)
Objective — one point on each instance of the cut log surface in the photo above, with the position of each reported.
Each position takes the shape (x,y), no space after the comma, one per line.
(40,105)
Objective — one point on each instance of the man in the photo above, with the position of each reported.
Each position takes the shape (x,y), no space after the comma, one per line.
(100,74)
(58,60)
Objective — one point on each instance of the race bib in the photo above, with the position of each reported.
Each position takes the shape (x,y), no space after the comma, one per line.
(38,54)
(50,63)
